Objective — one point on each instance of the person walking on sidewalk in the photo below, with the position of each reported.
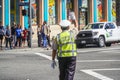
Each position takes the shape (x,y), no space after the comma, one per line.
(65,48)
(44,30)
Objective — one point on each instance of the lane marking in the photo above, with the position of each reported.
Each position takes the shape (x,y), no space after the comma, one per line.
(45,56)
(98,60)
(89,71)
(111,69)
(97,75)
(50,58)
(97,50)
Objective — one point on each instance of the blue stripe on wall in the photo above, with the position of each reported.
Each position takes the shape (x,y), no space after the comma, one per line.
(95,11)
(26,18)
(6,12)
(64,10)
(46,10)
(109,10)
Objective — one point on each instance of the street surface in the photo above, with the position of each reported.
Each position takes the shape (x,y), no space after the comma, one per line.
(93,63)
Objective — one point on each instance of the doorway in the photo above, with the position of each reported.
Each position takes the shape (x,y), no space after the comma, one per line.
(83,14)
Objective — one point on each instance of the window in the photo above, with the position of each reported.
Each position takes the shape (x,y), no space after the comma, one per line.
(12,5)
(114,10)
(95,26)
(100,10)
(52,12)
(109,26)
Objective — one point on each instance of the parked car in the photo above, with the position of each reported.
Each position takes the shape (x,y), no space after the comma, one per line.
(99,33)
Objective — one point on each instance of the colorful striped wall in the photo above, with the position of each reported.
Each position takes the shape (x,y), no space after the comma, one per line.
(26,18)
(46,10)
(6,12)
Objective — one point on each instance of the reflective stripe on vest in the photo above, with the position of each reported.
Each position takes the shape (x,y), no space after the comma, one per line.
(66,44)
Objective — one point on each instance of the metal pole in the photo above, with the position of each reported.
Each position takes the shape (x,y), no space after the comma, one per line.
(78,18)
(30,17)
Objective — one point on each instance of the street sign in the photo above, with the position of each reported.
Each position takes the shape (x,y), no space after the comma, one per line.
(32,1)
(24,4)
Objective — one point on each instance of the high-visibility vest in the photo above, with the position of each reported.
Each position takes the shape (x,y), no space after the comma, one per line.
(66,44)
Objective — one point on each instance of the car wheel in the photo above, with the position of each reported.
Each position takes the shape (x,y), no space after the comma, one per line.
(101,42)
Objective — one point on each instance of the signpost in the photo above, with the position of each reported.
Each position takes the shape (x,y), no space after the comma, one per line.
(30,17)
(23,3)
(30,23)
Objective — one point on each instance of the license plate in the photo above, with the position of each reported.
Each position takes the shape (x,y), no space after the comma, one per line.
(83,41)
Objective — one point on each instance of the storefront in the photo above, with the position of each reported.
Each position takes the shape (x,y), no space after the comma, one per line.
(14,11)
(114,10)
(83,13)
(100,12)
(52,17)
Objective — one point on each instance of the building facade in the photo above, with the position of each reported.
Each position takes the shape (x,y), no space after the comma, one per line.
(86,11)
(52,11)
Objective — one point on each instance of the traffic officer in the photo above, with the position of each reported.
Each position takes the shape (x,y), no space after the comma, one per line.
(65,48)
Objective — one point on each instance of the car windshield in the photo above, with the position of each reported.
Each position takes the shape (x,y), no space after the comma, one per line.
(94,26)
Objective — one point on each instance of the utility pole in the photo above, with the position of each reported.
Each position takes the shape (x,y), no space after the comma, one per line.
(30,20)
(118,12)
(30,23)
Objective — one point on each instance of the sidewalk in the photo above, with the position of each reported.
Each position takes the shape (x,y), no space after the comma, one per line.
(24,48)
(55,29)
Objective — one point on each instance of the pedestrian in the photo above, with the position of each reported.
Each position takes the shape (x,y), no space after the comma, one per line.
(48,35)
(24,36)
(2,32)
(44,32)
(65,48)
(13,34)
(39,36)
(8,37)
(18,35)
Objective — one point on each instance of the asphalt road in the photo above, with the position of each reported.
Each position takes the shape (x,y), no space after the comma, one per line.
(93,63)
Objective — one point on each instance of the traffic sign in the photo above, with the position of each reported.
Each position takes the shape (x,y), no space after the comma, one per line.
(24,4)
(32,1)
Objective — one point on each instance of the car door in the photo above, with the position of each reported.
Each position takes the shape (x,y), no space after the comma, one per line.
(114,32)
(110,31)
